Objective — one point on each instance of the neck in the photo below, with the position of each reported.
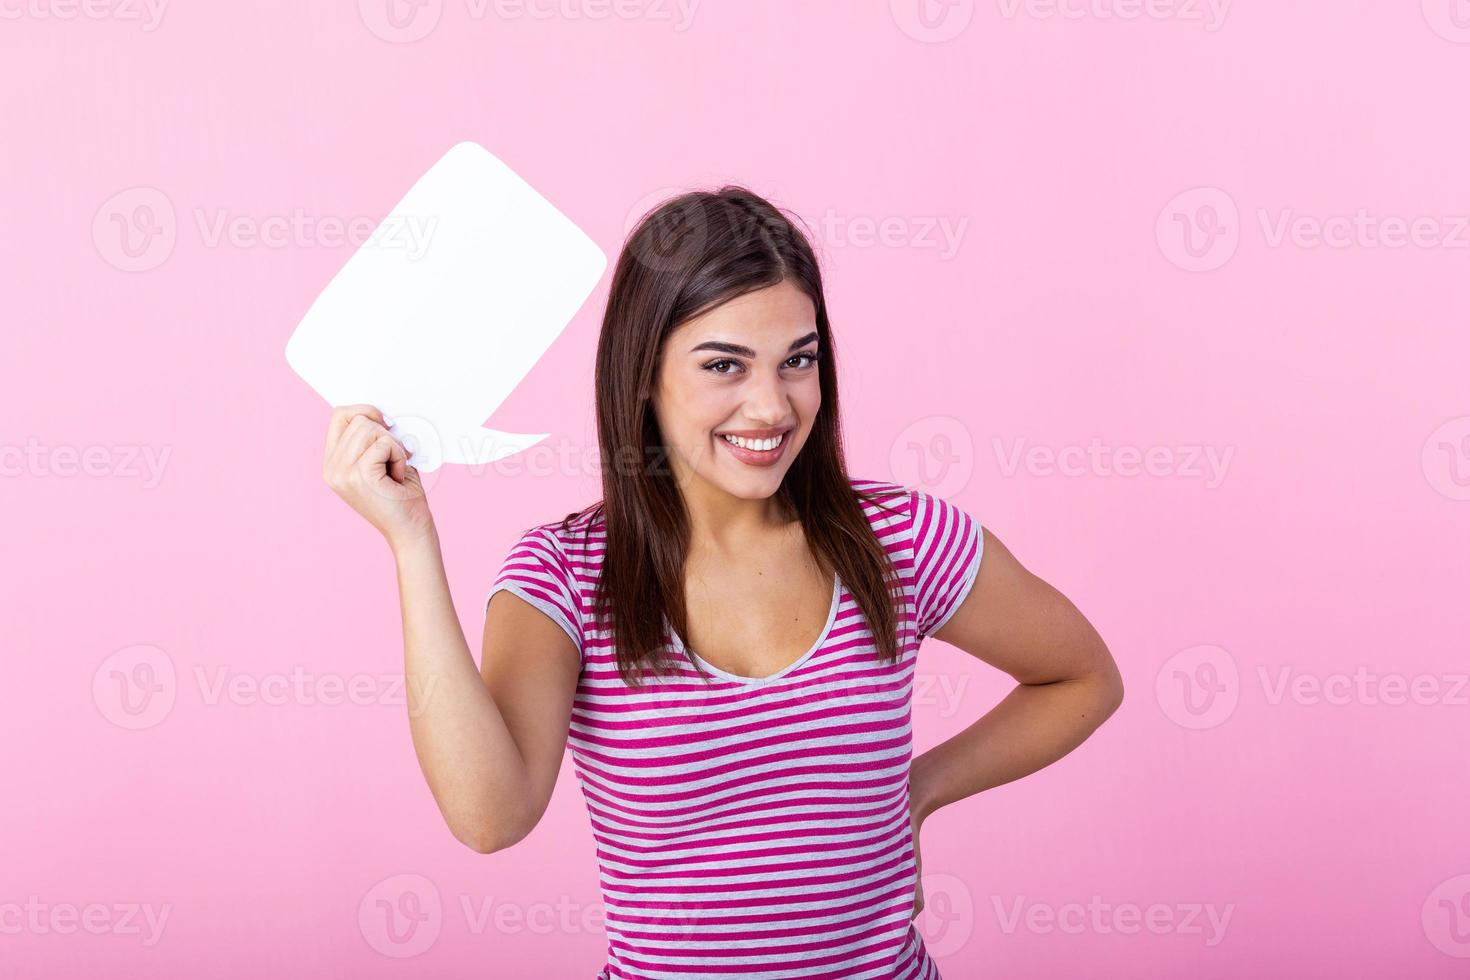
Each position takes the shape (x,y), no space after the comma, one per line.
(721,523)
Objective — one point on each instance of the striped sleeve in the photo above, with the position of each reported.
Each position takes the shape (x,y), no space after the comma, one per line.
(947,546)
(537,570)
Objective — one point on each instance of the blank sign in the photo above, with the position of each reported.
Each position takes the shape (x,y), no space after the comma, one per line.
(447,306)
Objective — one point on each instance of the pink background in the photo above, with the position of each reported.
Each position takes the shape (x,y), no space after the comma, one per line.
(1327,818)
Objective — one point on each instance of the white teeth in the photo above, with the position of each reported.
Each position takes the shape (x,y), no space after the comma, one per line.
(759,445)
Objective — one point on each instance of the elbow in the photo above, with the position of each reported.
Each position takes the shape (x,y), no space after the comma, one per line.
(485,826)
(1110,684)
(479,843)
(1102,680)
(484,837)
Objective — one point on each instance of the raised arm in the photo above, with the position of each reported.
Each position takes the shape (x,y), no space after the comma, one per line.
(488,739)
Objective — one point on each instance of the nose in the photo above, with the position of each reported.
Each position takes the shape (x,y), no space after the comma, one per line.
(766,401)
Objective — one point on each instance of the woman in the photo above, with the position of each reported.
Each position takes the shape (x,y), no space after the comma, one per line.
(755,804)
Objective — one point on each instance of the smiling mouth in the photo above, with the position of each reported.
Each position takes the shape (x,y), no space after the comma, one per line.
(758,445)
(757,452)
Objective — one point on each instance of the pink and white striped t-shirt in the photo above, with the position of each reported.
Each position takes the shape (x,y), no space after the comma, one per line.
(756,827)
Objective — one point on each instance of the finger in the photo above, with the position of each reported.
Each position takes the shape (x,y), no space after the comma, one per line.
(359,435)
(375,455)
(397,458)
(343,416)
(383,453)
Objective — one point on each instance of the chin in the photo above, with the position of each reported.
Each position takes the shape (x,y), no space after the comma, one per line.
(762,489)
(753,484)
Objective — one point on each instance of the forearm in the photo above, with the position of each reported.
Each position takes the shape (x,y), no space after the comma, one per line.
(1032,727)
(466,752)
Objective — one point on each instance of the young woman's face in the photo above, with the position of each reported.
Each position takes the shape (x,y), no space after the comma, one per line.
(749,368)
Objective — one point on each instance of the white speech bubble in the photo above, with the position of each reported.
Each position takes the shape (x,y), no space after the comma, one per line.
(448,305)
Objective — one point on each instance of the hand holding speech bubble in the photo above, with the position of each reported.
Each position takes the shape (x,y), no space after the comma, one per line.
(436,328)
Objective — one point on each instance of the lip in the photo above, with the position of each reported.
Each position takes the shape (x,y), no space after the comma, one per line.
(753,457)
(756,433)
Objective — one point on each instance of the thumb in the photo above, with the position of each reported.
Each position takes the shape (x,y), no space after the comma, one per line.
(397,461)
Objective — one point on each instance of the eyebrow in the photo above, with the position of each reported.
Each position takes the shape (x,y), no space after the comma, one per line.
(743,351)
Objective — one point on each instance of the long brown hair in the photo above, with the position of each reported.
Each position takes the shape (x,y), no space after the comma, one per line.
(690,254)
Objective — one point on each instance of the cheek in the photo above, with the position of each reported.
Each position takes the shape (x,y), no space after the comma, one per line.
(810,400)
(695,410)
